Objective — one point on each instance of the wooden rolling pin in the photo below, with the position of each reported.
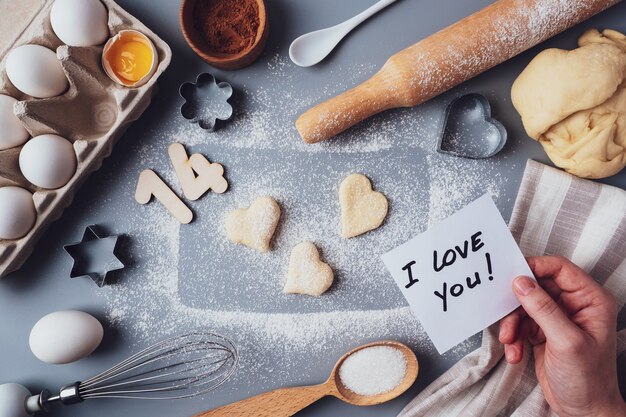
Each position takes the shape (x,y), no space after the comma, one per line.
(447,58)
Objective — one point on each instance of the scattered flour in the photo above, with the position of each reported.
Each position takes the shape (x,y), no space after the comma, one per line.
(191,277)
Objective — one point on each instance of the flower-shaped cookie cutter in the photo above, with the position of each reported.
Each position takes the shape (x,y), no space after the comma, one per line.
(206,101)
(469,131)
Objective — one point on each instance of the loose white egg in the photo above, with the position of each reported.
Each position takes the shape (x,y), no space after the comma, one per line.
(80,22)
(17,212)
(13,400)
(48,161)
(12,132)
(36,71)
(65,336)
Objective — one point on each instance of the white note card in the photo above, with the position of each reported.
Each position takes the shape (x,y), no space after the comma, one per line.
(457,275)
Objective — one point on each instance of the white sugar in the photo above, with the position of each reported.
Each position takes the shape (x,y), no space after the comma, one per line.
(374,370)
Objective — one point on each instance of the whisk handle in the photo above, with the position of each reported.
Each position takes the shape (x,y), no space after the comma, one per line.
(284,402)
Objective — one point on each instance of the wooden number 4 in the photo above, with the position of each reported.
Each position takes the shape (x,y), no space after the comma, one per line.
(196,176)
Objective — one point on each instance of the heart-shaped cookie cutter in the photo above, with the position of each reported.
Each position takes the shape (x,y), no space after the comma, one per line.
(206,101)
(468,129)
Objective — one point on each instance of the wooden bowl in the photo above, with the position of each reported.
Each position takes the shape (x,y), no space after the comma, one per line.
(196,41)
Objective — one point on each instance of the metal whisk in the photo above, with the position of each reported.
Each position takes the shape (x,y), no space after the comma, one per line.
(180,367)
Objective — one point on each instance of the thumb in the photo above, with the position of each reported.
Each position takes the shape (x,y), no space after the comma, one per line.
(543,309)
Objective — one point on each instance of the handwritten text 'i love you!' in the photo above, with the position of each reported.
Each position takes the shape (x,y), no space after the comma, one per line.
(457,275)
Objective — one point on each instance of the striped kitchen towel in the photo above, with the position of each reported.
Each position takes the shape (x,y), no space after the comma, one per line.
(555,214)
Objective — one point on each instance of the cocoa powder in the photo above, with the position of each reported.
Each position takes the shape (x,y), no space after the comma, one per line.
(228,26)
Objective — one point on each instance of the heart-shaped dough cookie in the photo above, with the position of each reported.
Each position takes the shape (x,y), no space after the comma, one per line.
(254,226)
(307,273)
(362,209)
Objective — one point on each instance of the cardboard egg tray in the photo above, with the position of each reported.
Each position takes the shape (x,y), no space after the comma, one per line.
(93,113)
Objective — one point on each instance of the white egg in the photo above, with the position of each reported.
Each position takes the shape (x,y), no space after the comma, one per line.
(17,212)
(48,161)
(36,71)
(13,400)
(12,132)
(65,336)
(80,22)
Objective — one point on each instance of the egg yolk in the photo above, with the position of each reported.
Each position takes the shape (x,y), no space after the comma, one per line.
(130,59)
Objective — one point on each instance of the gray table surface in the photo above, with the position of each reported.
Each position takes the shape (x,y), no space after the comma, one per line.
(262,154)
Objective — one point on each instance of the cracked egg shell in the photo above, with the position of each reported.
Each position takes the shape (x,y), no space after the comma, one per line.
(129,58)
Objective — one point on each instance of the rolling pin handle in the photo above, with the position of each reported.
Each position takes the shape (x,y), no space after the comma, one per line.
(345,110)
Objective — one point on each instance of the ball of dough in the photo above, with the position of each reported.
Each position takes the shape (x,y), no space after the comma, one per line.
(574,104)
(48,161)
(17,212)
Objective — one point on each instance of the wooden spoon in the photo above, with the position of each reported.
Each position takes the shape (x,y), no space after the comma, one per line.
(286,402)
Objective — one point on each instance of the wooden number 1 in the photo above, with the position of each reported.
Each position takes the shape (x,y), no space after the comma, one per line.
(209,176)
(150,184)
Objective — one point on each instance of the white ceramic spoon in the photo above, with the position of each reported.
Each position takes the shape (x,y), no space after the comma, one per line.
(311,48)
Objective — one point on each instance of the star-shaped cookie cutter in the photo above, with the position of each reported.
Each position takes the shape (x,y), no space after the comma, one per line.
(80,252)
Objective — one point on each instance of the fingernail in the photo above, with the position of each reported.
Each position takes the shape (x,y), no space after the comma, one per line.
(524,285)
(510,352)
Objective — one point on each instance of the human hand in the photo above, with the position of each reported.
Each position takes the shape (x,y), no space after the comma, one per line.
(570,320)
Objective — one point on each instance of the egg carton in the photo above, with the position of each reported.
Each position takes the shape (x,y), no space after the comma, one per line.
(92,114)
